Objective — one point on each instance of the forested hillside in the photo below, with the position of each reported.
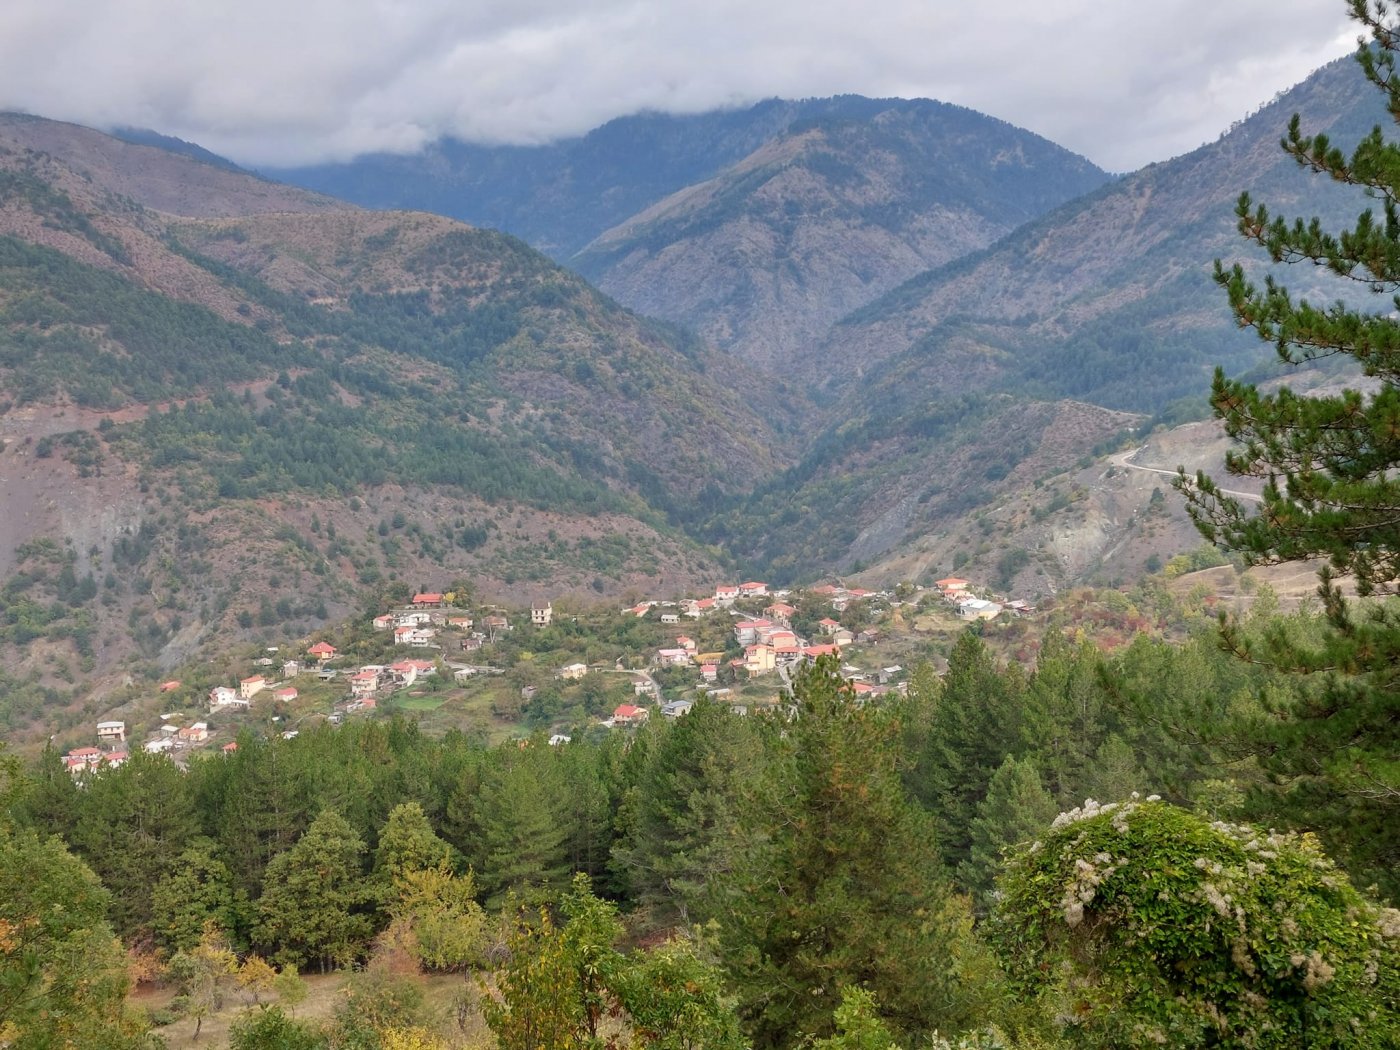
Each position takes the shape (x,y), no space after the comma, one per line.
(731,881)
(1109,298)
(205,414)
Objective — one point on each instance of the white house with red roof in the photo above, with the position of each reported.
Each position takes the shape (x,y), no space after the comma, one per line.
(686,642)
(629,715)
(427,600)
(779,611)
(82,759)
(726,594)
(672,657)
(383,621)
(365,682)
(746,632)
(414,635)
(286,695)
(226,696)
(709,672)
(323,651)
(753,589)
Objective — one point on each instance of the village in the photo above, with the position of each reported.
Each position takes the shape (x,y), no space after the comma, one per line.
(739,646)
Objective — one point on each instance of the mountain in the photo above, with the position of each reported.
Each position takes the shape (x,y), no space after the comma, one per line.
(1108,298)
(839,208)
(215,423)
(940,398)
(758,228)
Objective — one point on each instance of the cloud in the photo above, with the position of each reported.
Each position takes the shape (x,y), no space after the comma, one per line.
(298,81)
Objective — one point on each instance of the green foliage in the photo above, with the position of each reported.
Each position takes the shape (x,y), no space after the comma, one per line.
(63,975)
(1016,809)
(837,863)
(437,919)
(680,816)
(315,902)
(269,1028)
(564,986)
(135,823)
(198,889)
(1139,924)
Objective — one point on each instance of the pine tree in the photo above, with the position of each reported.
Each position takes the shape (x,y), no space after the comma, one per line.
(198,890)
(315,904)
(681,812)
(841,883)
(408,843)
(135,822)
(523,837)
(1017,809)
(1331,488)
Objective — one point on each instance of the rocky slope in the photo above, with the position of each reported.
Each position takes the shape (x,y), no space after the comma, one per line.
(765,256)
(213,425)
(1108,298)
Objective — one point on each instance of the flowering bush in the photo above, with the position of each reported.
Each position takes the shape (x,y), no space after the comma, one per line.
(1139,924)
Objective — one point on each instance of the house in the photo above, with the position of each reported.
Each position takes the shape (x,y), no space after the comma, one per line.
(540,615)
(670,617)
(779,639)
(753,589)
(811,652)
(709,672)
(286,695)
(841,636)
(828,625)
(676,708)
(157,747)
(672,658)
(109,731)
(780,611)
(787,655)
(462,623)
(559,738)
(869,636)
(82,759)
(686,643)
(759,659)
(251,687)
(1020,607)
(365,682)
(383,622)
(196,733)
(629,715)
(323,651)
(224,696)
(471,643)
(494,624)
(230,747)
(427,600)
(639,610)
(951,582)
(405,673)
(291,668)
(746,632)
(413,618)
(726,595)
(572,672)
(414,635)
(978,609)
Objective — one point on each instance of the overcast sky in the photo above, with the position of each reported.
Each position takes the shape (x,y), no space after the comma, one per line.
(293,81)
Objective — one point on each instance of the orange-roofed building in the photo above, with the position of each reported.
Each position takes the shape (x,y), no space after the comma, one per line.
(427,600)
(323,651)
